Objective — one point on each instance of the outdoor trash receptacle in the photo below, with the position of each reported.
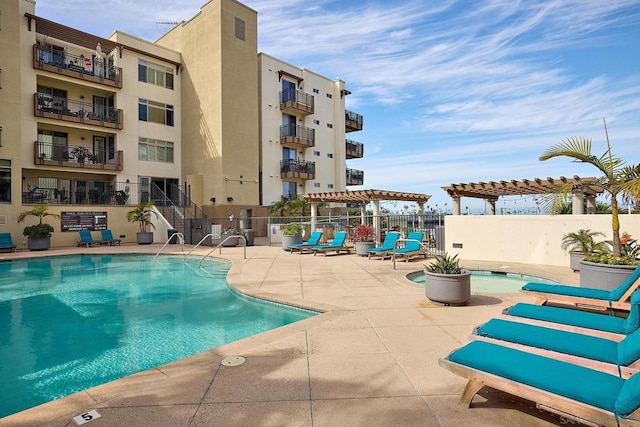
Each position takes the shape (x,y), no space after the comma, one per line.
(250,235)
(170,234)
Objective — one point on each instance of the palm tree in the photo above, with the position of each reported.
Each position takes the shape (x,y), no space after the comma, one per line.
(617,178)
(582,241)
(142,215)
(39,211)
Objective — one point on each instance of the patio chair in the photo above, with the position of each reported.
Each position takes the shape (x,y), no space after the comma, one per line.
(108,239)
(413,247)
(385,249)
(86,239)
(617,298)
(598,324)
(574,392)
(314,239)
(620,358)
(337,245)
(6,244)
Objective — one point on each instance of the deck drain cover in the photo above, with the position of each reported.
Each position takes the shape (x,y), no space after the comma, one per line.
(233,361)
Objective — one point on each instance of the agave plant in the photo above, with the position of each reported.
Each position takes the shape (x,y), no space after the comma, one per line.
(445,264)
(617,180)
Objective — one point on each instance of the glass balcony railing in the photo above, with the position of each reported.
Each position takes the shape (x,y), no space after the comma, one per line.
(354,149)
(297,169)
(353,121)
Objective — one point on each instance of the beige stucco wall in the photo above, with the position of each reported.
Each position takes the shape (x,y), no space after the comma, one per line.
(530,239)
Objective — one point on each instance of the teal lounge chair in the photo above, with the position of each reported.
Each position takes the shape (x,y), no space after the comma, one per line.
(557,317)
(86,239)
(412,248)
(574,392)
(584,349)
(314,239)
(385,249)
(6,244)
(617,298)
(337,245)
(108,239)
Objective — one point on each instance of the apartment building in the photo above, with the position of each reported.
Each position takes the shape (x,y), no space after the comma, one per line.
(303,123)
(91,125)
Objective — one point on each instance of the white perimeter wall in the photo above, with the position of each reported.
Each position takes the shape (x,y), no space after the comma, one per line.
(530,239)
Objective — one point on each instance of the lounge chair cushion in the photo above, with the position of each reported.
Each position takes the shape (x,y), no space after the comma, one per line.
(618,292)
(633,319)
(572,381)
(629,397)
(565,316)
(591,347)
(573,291)
(629,349)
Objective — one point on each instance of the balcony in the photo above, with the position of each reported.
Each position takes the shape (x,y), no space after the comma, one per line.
(298,135)
(66,191)
(353,121)
(297,169)
(75,66)
(355,150)
(355,177)
(296,101)
(68,110)
(75,156)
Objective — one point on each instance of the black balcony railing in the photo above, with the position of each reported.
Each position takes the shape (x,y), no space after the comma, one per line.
(295,134)
(57,60)
(298,169)
(65,191)
(76,111)
(297,100)
(353,121)
(77,156)
(354,149)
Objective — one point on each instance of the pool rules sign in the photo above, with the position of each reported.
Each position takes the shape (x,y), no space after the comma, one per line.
(77,221)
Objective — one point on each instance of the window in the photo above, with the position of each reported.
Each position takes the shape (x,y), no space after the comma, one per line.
(289,189)
(239,28)
(53,145)
(156,112)
(155,150)
(316,184)
(316,153)
(330,155)
(329,125)
(5,181)
(329,185)
(316,122)
(155,74)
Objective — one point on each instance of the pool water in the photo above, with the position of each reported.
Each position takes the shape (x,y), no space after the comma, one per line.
(72,322)
(491,281)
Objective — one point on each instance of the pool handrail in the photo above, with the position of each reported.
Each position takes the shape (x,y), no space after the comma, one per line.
(395,246)
(176,234)
(244,247)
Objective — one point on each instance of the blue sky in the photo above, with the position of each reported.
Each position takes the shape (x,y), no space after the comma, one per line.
(450,91)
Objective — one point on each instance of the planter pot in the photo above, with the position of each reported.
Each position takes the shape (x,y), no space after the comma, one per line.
(448,289)
(145,238)
(603,276)
(231,242)
(574,260)
(290,240)
(38,243)
(363,247)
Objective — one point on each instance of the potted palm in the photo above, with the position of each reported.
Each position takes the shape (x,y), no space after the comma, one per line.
(580,243)
(142,215)
(446,282)
(229,237)
(39,235)
(617,180)
(363,235)
(291,234)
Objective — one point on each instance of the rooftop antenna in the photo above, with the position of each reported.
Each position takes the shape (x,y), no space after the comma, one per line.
(167,23)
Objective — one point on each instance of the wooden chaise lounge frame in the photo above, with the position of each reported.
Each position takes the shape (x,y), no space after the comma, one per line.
(551,402)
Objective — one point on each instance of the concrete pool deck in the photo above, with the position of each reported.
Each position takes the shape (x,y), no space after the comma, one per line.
(370,360)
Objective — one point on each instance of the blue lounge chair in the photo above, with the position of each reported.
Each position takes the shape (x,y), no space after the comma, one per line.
(337,245)
(575,392)
(86,239)
(569,346)
(557,317)
(108,239)
(412,248)
(6,244)
(385,249)
(617,298)
(314,239)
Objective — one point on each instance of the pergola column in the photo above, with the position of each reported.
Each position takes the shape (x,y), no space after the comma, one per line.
(455,206)
(314,216)
(363,213)
(492,206)
(420,208)
(376,220)
(577,201)
(591,203)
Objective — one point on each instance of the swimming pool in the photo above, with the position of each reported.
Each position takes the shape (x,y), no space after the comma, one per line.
(491,281)
(68,323)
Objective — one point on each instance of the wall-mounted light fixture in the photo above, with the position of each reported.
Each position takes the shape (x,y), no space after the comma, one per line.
(82,138)
(81,96)
(212,200)
(229,199)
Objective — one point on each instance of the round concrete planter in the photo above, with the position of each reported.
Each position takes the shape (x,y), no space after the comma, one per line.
(144,238)
(603,276)
(574,260)
(231,242)
(290,240)
(38,243)
(363,247)
(448,289)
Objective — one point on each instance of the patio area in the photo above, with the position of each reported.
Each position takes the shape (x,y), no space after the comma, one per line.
(369,360)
